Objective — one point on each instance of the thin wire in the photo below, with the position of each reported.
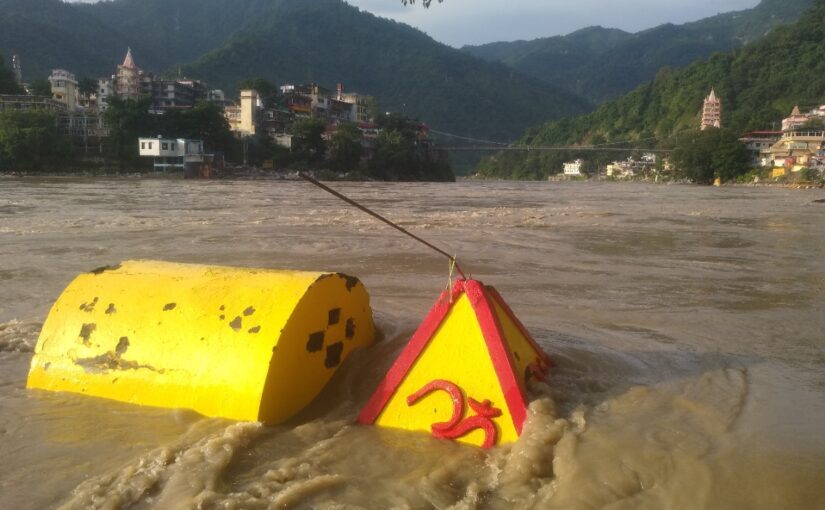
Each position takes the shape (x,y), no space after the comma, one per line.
(470,139)
(450,279)
(381,218)
(581,147)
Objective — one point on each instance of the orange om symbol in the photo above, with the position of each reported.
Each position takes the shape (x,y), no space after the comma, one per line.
(456,427)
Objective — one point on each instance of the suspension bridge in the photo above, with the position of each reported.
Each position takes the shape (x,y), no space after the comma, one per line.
(480,145)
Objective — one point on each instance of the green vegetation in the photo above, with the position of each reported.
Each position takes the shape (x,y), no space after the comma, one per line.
(30,140)
(40,87)
(129,120)
(328,41)
(400,153)
(325,41)
(50,34)
(758,86)
(307,142)
(8,85)
(601,64)
(87,86)
(345,149)
(267,90)
(813,125)
(702,156)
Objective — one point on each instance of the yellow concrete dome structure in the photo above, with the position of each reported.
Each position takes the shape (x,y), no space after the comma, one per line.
(238,343)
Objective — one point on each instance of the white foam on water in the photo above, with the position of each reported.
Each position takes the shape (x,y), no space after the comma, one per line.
(685,323)
(18,336)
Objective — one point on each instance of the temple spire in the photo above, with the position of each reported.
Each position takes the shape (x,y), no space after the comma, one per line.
(129,61)
(711,111)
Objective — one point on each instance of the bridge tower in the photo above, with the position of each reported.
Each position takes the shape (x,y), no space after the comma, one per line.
(17,67)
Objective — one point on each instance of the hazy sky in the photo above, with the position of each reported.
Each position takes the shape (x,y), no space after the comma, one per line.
(459,22)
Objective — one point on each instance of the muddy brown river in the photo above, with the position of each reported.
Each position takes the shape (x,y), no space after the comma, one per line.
(687,327)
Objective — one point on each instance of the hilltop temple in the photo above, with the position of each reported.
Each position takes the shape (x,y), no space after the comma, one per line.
(711,112)
(127,80)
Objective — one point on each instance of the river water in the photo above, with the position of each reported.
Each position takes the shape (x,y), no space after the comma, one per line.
(687,327)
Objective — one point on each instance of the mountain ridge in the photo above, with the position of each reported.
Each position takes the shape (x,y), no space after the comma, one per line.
(601,73)
(326,41)
(758,85)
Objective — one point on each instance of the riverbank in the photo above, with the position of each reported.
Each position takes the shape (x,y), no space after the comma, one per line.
(240,173)
(255,173)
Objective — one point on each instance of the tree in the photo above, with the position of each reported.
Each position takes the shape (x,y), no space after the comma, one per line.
(8,83)
(265,88)
(812,124)
(404,153)
(205,121)
(87,86)
(29,139)
(702,156)
(128,120)
(307,139)
(345,149)
(41,87)
(394,157)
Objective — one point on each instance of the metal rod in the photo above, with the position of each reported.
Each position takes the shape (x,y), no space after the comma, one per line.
(381,218)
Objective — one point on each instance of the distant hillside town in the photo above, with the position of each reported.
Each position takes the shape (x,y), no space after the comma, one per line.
(262,111)
(800,145)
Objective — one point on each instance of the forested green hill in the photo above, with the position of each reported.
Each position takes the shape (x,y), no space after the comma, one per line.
(91,39)
(328,41)
(601,64)
(50,34)
(178,31)
(758,85)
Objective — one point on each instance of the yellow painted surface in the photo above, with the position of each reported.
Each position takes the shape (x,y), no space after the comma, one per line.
(457,353)
(239,343)
(522,353)
(778,172)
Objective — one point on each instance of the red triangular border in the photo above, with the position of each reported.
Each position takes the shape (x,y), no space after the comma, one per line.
(480,300)
(545,359)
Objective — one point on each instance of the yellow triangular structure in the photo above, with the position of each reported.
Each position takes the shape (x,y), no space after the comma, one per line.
(464,372)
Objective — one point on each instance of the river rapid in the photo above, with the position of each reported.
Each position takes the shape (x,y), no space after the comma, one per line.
(687,327)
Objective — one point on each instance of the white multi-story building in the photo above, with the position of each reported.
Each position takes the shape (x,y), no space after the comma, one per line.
(64,88)
(172,152)
(573,168)
(105,90)
(360,104)
(244,119)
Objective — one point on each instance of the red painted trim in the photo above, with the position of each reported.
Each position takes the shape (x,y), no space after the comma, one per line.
(504,306)
(501,357)
(399,369)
